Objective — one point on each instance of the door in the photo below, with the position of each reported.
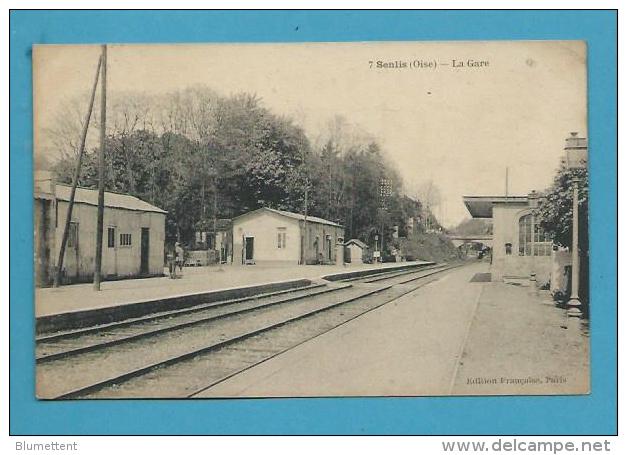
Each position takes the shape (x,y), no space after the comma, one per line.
(144,251)
(329,248)
(110,259)
(249,250)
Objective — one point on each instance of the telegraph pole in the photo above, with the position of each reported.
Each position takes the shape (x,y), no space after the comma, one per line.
(77,174)
(215,220)
(305,233)
(101,165)
(385,190)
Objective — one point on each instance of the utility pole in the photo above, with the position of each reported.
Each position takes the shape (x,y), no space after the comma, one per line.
(533,204)
(215,219)
(101,173)
(305,237)
(385,190)
(305,234)
(77,174)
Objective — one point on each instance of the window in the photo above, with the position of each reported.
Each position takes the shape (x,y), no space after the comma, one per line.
(538,245)
(125,239)
(111,237)
(280,237)
(72,236)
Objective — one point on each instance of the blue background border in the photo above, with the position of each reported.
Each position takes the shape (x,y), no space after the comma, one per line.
(593,414)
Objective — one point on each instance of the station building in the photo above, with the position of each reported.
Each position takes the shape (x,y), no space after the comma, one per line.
(520,247)
(133,237)
(267,235)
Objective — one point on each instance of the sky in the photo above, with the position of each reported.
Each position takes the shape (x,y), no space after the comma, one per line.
(458,126)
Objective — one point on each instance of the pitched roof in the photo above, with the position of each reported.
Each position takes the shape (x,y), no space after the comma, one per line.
(296,216)
(114,200)
(357,242)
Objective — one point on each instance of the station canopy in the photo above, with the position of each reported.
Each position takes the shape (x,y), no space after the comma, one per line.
(481,206)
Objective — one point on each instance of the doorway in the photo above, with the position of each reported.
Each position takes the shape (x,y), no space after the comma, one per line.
(249,250)
(109,258)
(328,248)
(145,251)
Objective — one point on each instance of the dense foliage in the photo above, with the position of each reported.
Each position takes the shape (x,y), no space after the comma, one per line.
(556,217)
(556,210)
(203,156)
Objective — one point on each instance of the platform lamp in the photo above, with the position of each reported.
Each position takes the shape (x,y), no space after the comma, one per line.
(533,198)
(576,158)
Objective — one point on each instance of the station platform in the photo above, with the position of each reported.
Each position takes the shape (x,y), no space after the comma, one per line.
(193,281)
(449,337)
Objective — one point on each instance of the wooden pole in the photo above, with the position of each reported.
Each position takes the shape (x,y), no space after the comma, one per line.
(77,173)
(101,173)
(382,229)
(306,234)
(215,220)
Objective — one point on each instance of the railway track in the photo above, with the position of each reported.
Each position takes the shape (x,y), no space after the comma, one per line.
(181,353)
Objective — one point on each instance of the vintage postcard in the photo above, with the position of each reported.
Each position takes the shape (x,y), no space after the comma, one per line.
(311,219)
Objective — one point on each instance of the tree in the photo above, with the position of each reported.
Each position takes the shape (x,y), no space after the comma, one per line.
(556,209)
(556,217)
(429,194)
(185,150)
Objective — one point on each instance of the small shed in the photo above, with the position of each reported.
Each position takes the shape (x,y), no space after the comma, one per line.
(356,249)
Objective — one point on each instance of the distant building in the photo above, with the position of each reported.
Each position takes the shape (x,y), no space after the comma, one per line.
(133,237)
(213,247)
(268,235)
(519,246)
(356,249)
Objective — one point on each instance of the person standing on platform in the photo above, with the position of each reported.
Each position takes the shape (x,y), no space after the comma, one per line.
(180,256)
(171,256)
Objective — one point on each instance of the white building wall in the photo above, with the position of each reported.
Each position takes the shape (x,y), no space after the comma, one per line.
(119,261)
(505,230)
(264,227)
(356,253)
